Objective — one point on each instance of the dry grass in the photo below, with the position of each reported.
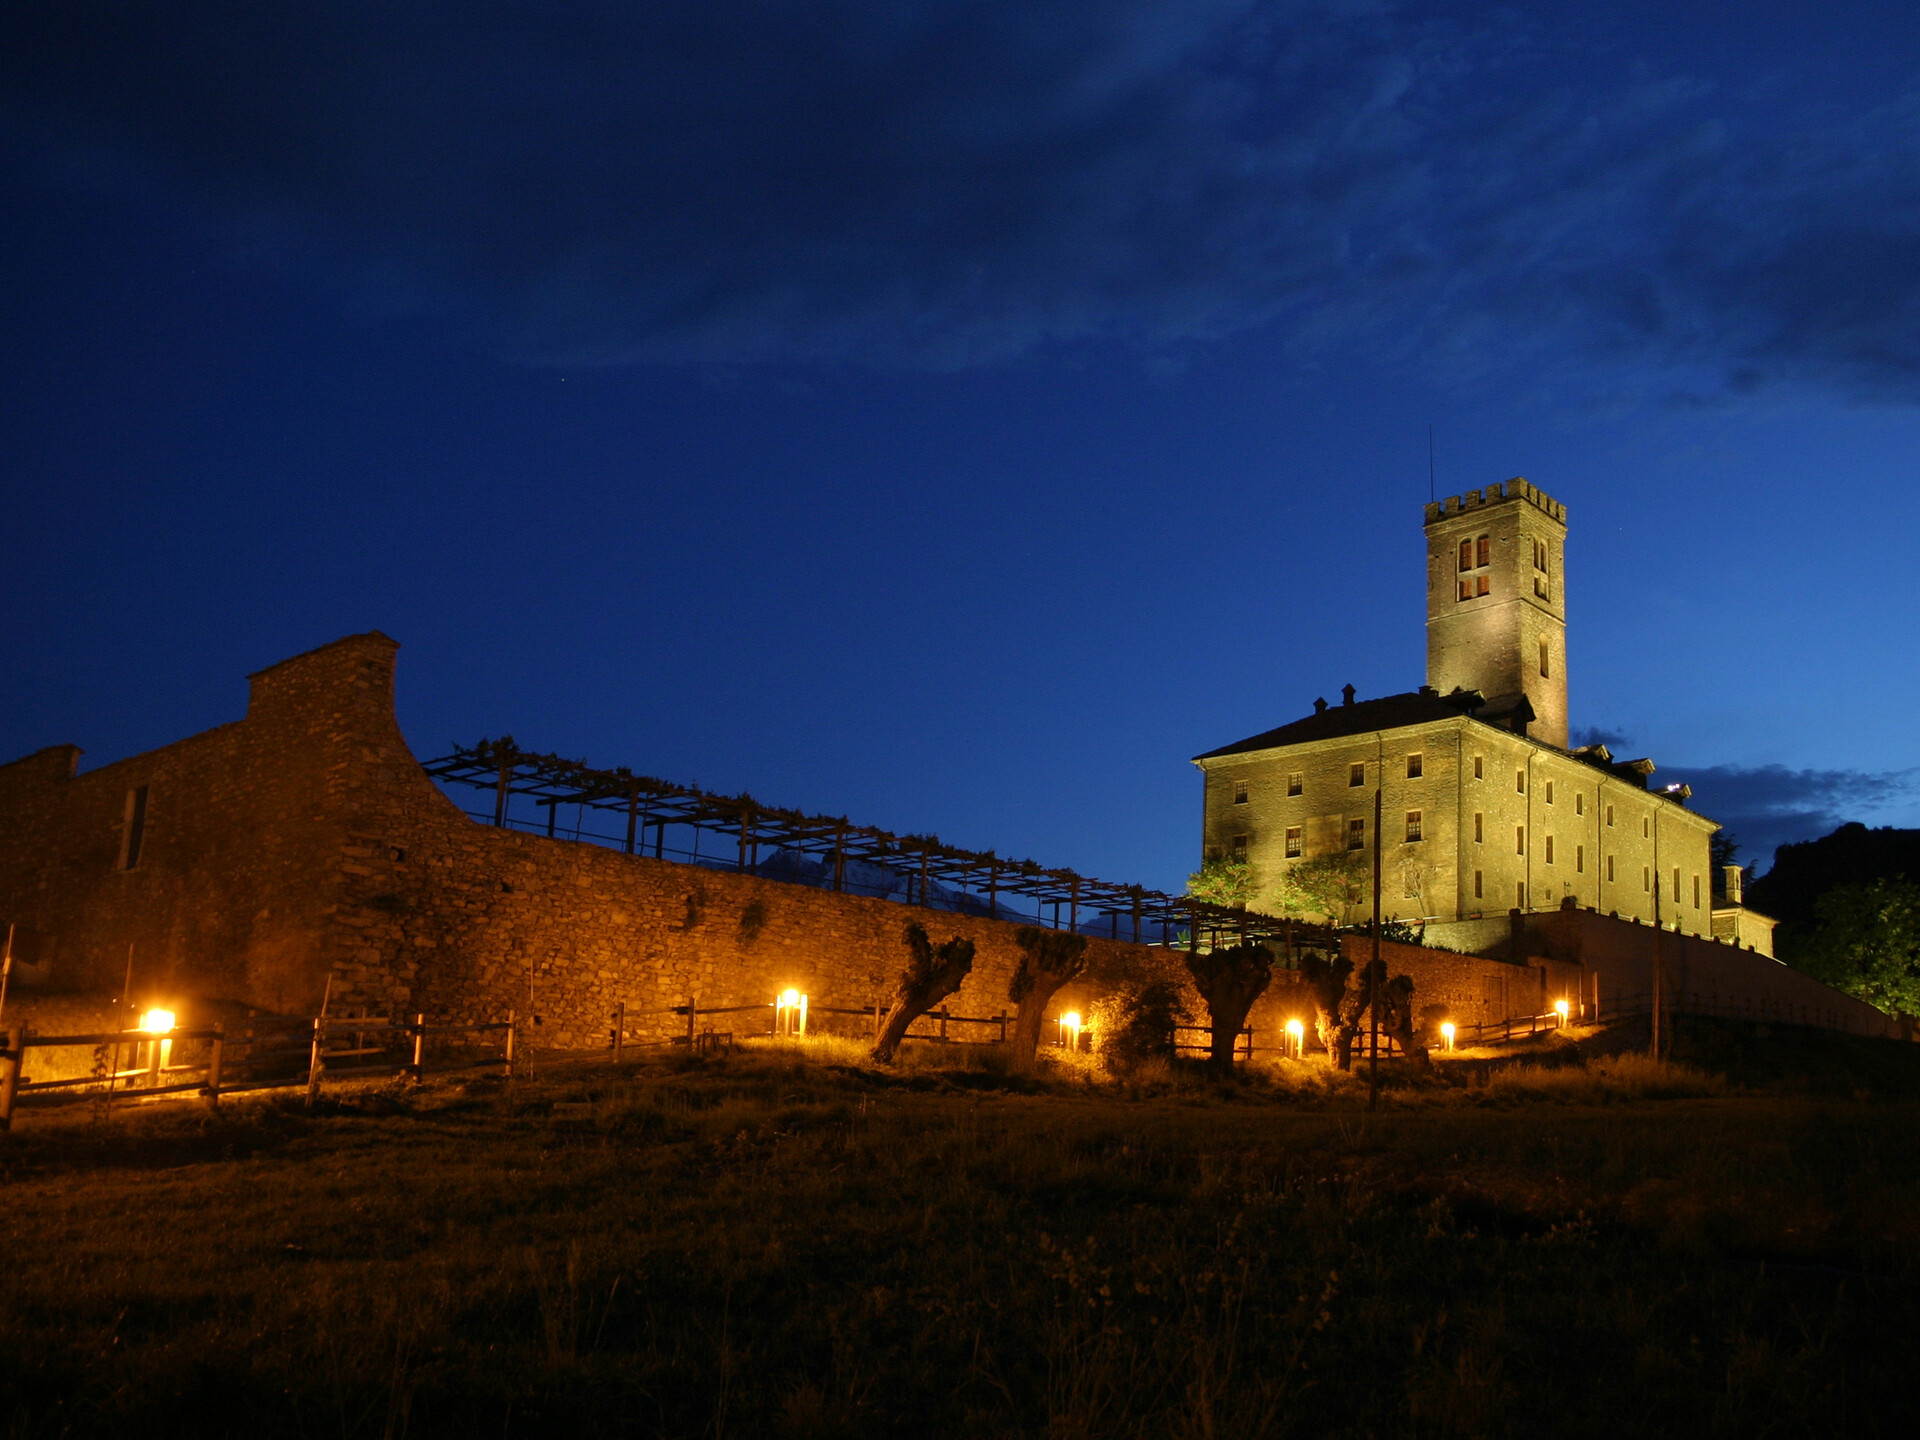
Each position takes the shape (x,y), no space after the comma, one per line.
(790,1242)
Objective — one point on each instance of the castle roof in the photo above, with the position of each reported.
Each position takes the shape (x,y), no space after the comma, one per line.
(1356,717)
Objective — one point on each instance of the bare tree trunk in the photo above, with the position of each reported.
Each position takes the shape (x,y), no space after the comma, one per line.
(1051,958)
(1327,983)
(1230,980)
(931,975)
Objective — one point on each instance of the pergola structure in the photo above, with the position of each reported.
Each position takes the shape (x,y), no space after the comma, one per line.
(1079,903)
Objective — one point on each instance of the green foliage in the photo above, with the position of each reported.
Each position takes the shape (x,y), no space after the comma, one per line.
(1052,956)
(1867,944)
(1328,886)
(1400,932)
(1135,1023)
(1223,880)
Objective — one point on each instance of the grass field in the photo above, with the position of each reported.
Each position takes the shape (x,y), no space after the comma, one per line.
(793,1243)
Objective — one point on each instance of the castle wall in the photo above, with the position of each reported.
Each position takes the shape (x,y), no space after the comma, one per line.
(304,842)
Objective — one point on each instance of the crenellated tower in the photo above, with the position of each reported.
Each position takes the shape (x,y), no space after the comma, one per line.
(1496,602)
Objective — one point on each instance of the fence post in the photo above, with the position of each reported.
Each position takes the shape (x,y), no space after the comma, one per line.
(10,1062)
(620,1032)
(691,1013)
(506,1049)
(1002,1018)
(153,1062)
(419,1028)
(313,1059)
(215,1058)
(943,1022)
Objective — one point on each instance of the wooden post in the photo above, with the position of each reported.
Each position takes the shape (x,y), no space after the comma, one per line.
(943,1022)
(993,890)
(215,1060)
(313,1058)
(506,777)
(419,1047)
(691,1014)
(1373,972)
(746,829)
(620,1033)
(506,1048)
(633,817)
(926,896)
(1136,914)
(1002,1018)
(10,1063)
(839,859)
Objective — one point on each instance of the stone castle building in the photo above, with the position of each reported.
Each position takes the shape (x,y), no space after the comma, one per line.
(1485,808)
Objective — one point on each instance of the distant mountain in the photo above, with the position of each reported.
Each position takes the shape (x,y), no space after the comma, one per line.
(1851,855)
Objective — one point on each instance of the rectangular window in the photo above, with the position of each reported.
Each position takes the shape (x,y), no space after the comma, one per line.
(1519,839)
(1543,659)
(1356,775)
(1646,827)
(1549,792)
(133,832)
(1293,842)
(1549,849)
(1239,847)
(1466,554)
(1356,835)
(1520,782)
(1676,884)
(1476,767)
(1520,895)
(1484,549)
(1579,804)
(1293,783)
(1239,792)
(1479,836)
(1696,892)
(1646,878)
(1579,859)
(1609,869)
(1413,825)
(1480,585)
(1609,815)
(1476,885)
(1413,767)
(1466,588)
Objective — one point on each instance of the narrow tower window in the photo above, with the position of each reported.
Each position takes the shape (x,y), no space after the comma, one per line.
(1476,885)
(1579,859)
(1484,550)
(1549,849)
(1519,839)
(134,831)
(1544,668)
(1479,838)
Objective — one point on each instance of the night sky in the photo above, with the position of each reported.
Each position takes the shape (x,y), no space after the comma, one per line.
(956,415)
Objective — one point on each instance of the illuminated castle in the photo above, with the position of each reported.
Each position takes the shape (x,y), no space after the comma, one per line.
(1485,809)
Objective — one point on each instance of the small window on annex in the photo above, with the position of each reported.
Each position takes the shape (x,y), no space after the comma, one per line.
(1646,827)
(1520,782)
(1476,767)
(1579,804)
(1696,892)
(1549,792)
(1646,878)
(1609,815)
(1477,894)
(1239,792)
(1519,839)
(1545,670)
(1356,835)
(1413,825)
(1549,849)
(1356,775)
(1294,782)
(1579,859)
(1293,842)
(1413,767)
(1479,828)
(1609,869)
(1520,894)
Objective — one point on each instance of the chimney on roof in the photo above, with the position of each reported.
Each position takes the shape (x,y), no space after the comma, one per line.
(1320,706)
(1346,694)
(1732,883)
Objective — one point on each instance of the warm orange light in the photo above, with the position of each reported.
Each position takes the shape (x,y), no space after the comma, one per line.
(1561,1008)
(1297,1038)
(1070,1024)
(157,1022)
(790,1013)
(1446,1033)
(790,998)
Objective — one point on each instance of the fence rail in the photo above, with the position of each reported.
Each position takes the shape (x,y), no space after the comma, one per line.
(281,1043)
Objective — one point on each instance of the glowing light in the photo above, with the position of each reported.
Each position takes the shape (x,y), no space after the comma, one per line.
(1070,1024)
(1296,1039)
(1296,1029)
(1446,1033)
(1561,1008)
(157,1022)
(790,1013)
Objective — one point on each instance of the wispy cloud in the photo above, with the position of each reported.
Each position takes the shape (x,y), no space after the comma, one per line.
(1767,806)
(950,182)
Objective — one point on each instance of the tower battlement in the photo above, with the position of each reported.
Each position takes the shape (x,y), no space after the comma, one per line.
(1514,489)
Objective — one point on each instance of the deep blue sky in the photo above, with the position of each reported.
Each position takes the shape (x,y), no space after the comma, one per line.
(956,415)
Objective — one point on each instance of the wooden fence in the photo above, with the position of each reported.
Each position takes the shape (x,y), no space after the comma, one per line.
(271,1055)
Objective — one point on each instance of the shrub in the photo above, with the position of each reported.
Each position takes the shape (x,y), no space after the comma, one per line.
(1135,1024)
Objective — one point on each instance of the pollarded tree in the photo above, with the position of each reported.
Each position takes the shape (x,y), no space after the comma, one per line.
(1326,977)
(1329,886)
(930,976)
(1048,960)
(1223,880)
(1397,1019)
(1230,980)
